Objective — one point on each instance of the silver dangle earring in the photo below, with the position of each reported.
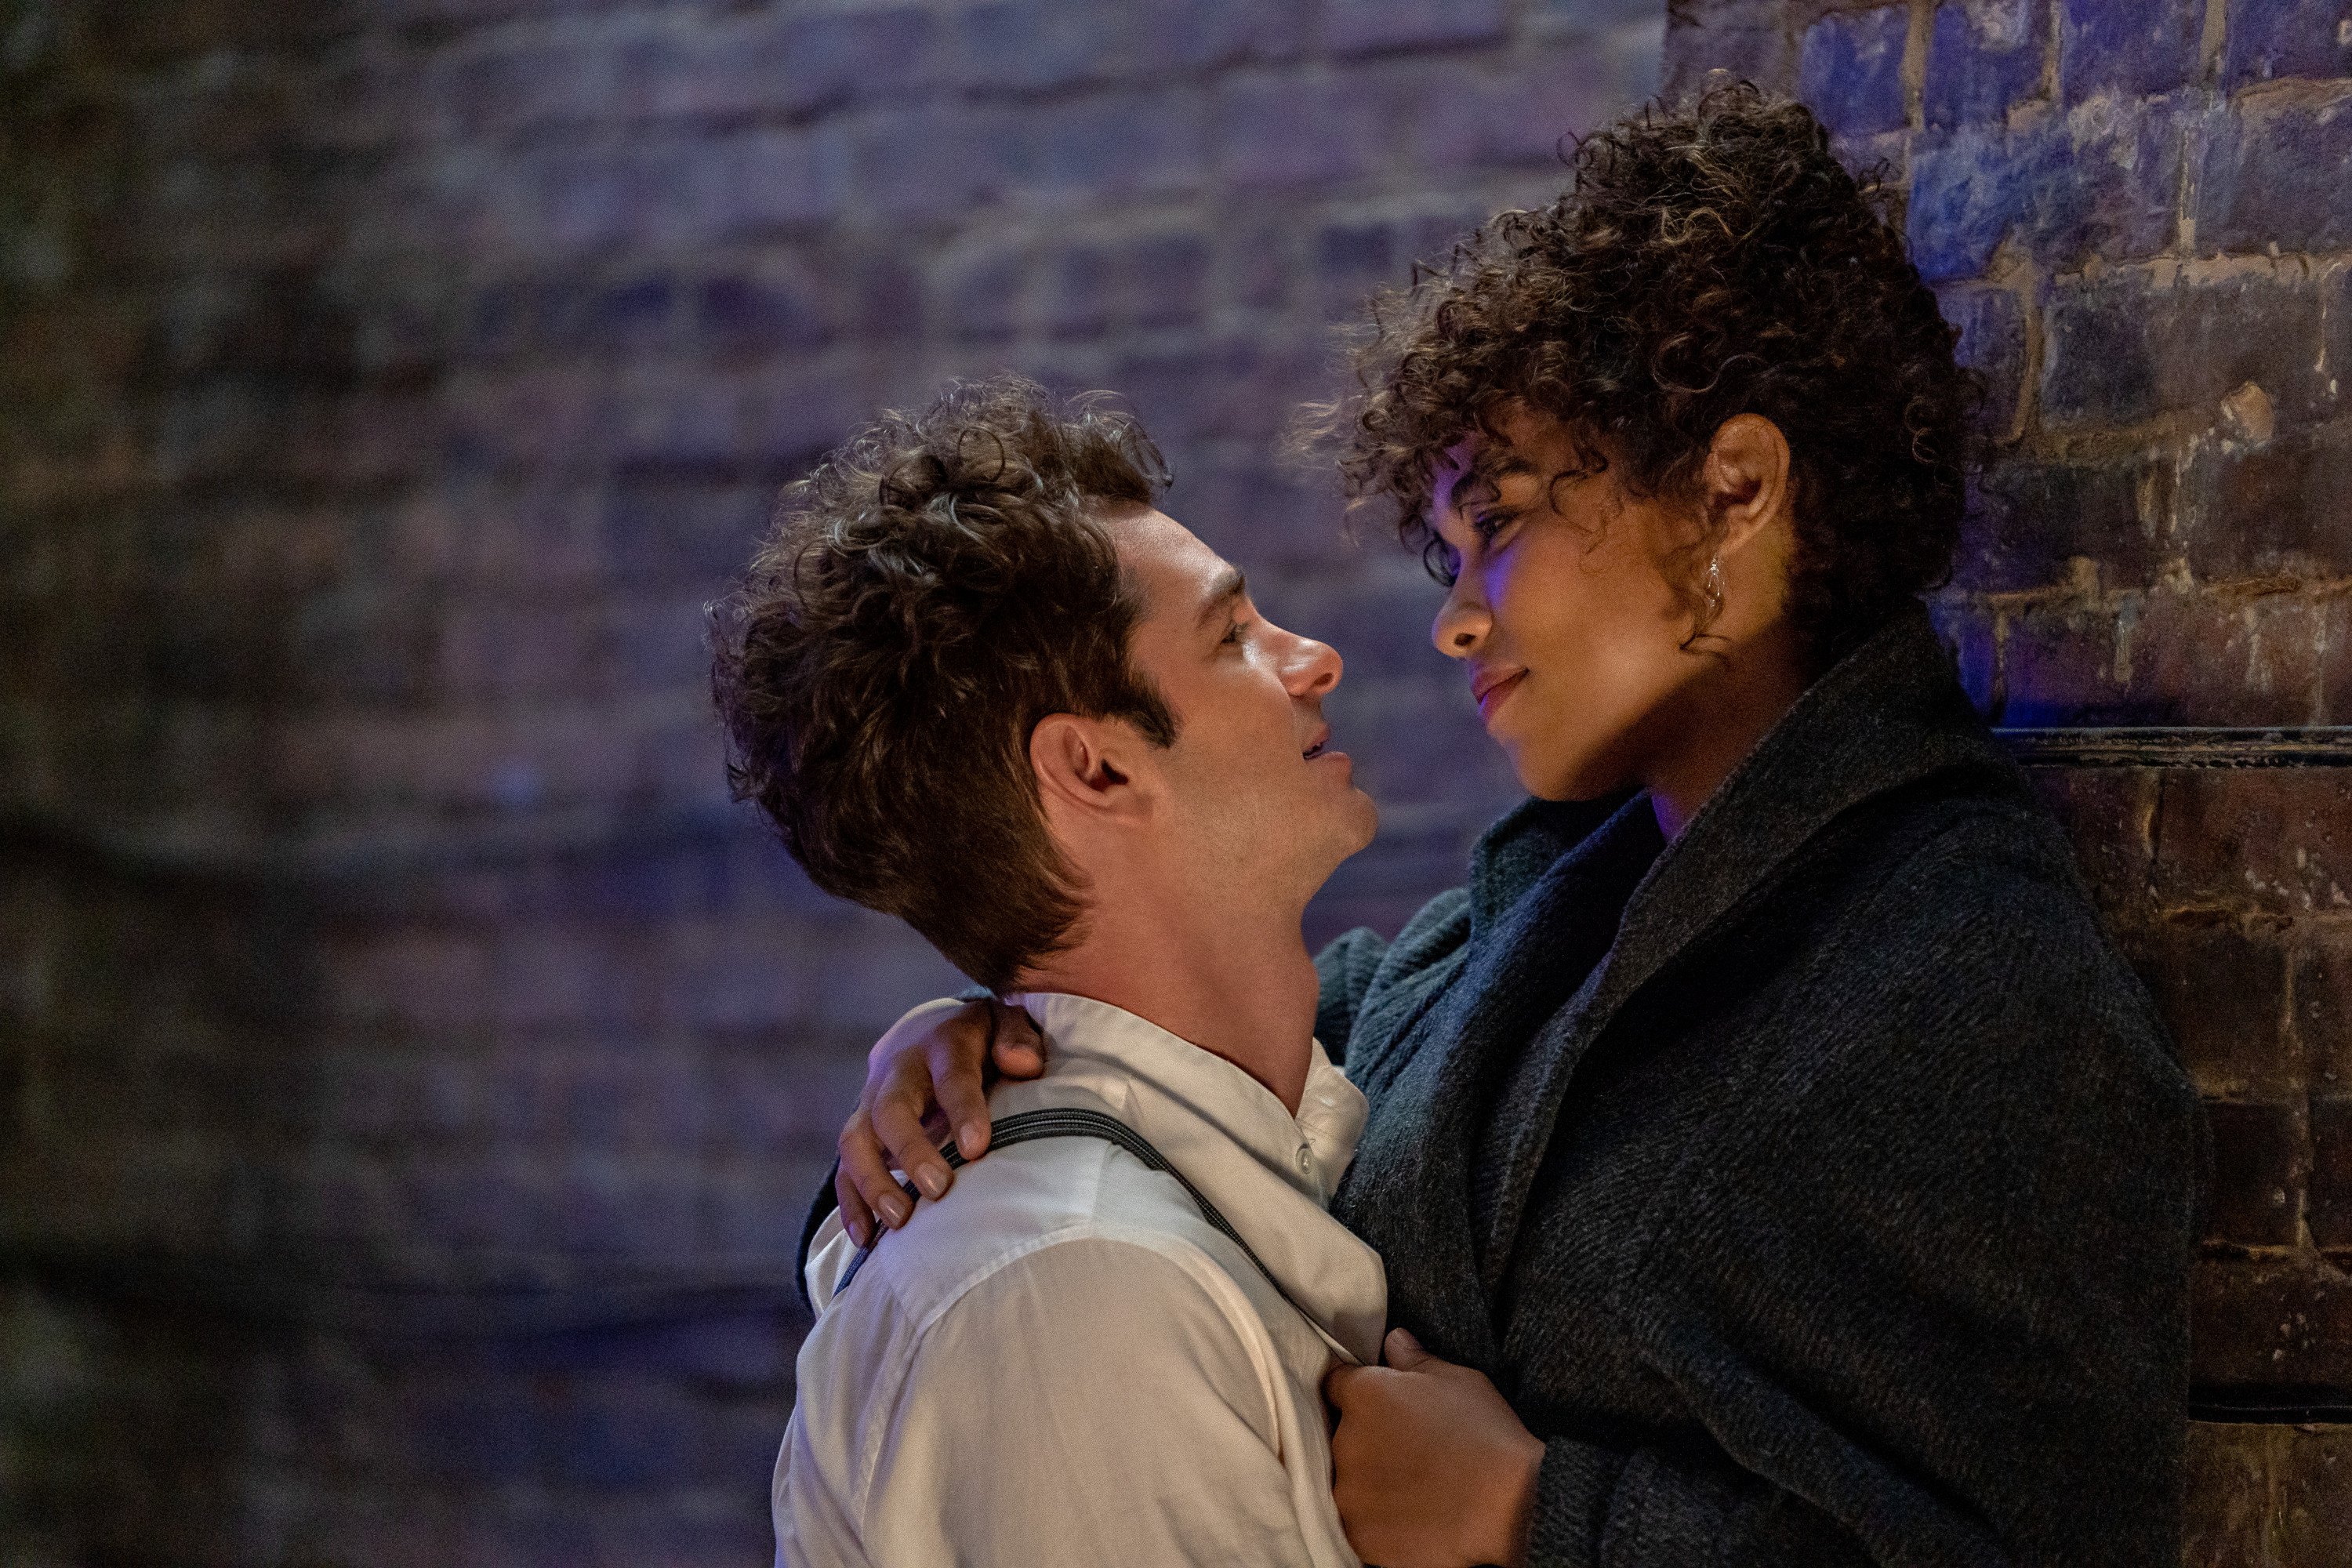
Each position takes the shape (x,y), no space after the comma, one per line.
(1714,594)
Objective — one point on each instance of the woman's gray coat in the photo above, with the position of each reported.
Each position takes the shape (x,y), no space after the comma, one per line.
(1818,1188)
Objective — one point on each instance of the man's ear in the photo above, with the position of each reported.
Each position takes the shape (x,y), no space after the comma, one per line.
(1746,480)
(1084,766)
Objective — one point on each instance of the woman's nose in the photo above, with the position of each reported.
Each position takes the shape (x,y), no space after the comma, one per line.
(1461,621)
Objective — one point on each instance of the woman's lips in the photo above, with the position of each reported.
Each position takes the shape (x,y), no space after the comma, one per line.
(1491,695)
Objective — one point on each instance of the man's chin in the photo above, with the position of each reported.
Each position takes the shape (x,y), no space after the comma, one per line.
(1355,823)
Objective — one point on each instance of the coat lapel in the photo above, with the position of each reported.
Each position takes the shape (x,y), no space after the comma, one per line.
(1888,714)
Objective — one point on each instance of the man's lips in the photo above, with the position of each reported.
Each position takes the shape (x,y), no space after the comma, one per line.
(1314,747)
(1490,687)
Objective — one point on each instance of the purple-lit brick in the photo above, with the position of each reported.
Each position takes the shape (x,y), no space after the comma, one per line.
(2058,666)
(766,180)
(1108,146)
(1850,70)
(2122,347)
(1212,33)
(980,296)
(1983,57)
(927,160)
(1991,324)
(2102,366)
(741,315)
(823,59)
(1036,44)
(1299,134)
(453,350)
(2134,48)
(1746,41)
(2265,39)
(1164,276)
(2029,521)
(1595,14)
(1078,292)
(1365,26)
(2099,180)
(2274,174)
(1473,116)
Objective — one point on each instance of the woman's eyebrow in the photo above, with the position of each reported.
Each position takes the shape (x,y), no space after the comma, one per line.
(1482,481)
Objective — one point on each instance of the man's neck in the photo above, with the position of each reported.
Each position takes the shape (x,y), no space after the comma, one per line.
(1239,987)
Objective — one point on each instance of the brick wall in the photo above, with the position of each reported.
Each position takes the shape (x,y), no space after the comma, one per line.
(414,1069)
(2137,211)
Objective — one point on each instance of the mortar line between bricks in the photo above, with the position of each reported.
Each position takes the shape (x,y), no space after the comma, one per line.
(2212,45)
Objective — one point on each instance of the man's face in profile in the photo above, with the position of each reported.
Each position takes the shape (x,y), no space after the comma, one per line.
(1260,796)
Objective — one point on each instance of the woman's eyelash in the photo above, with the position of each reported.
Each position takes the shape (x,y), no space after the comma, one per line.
(1489,523)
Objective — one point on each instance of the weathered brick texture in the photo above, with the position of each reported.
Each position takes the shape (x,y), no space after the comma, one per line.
(2270,1495)
(2135,211)
(415,1069)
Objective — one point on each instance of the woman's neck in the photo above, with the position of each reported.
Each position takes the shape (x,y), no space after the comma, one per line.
(1713,724)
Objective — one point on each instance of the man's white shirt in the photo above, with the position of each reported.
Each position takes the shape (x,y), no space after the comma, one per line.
(1063,1363)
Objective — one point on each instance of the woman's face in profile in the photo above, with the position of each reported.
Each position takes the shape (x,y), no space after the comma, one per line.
(1563,609)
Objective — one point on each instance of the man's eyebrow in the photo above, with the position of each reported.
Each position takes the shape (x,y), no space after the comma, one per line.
(1230,586)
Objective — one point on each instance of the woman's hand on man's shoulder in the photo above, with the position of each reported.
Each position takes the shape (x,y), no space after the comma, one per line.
(930,1071)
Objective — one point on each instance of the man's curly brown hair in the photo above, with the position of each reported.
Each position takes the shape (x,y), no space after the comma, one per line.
(1699,266)
(934,588)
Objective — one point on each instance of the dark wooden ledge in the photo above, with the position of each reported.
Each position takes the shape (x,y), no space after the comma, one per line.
(2180,746)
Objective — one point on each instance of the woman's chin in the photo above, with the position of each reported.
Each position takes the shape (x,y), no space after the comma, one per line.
(1576,778)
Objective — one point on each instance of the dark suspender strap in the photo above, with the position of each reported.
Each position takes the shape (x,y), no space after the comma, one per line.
(1070,1121)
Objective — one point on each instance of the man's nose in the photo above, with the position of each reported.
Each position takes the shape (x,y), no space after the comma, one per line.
(1314,667)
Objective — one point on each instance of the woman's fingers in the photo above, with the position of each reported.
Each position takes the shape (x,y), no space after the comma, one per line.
(928,1071)
(958,1053)
(897,1117)
(865,1171)
(956,1060)
(855,1217)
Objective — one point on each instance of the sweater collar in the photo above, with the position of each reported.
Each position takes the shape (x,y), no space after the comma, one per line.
(1888,714)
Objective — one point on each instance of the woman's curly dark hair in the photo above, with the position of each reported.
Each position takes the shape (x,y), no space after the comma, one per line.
(937,586)
(1698,267)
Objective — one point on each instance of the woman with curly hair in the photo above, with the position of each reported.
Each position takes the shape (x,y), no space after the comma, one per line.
(1772,1158)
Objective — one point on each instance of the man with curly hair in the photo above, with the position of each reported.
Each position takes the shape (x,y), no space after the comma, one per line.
(1774,1160)
(971,654)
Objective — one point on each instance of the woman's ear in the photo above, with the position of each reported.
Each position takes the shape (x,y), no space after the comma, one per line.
(1746,480)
